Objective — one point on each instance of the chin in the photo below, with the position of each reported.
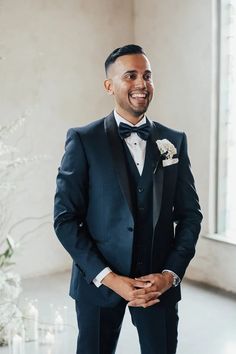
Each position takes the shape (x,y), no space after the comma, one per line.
(139,112)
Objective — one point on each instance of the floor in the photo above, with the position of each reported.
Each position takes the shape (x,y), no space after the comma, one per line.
(207,319)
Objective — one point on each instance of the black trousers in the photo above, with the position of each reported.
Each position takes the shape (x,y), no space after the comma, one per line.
(99,328)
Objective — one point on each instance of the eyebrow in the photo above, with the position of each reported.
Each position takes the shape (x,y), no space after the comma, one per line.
(135,71)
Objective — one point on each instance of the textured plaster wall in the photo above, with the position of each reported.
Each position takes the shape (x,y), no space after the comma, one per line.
(52,55)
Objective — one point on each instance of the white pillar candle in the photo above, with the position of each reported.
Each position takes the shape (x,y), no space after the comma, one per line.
(17,344)
(65,315)
(31,322)
(49,338)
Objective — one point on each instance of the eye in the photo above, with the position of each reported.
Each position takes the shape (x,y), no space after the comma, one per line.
(148,77)
(130,76)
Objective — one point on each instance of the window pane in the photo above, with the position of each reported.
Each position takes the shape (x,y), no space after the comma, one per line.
(231,151)
(227,222)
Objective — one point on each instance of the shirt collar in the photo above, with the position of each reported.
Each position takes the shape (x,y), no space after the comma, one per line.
(120,119)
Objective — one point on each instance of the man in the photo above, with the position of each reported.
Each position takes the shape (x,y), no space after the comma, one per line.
(124,182)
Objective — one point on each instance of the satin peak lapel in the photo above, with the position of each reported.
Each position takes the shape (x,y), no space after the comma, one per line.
(158,177)
(118,157)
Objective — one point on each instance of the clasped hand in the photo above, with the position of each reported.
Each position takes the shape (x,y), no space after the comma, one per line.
(139,292)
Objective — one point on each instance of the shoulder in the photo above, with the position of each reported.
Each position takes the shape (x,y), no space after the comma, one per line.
(164,132)
(88,129)
(177,138)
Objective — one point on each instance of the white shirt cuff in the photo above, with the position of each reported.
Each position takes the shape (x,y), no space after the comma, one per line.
(177,279)
(97,280)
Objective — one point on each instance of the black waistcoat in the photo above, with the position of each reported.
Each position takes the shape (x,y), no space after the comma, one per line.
(141,191)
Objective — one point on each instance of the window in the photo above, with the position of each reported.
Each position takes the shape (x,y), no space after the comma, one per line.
(226,214)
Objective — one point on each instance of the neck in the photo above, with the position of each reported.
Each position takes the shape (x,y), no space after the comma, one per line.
(130,118)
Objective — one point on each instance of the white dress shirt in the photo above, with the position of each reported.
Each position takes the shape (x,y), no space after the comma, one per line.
(136,145)
(137,148)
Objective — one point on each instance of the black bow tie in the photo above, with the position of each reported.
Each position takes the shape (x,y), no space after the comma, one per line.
(143,130)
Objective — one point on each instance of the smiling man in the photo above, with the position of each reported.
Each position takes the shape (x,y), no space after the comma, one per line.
(127,211)
(130,82)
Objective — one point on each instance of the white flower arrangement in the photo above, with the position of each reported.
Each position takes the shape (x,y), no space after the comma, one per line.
(167,149)
(10,315)
(9,162)
(10,285)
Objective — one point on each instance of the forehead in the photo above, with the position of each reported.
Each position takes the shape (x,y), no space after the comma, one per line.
(133,62)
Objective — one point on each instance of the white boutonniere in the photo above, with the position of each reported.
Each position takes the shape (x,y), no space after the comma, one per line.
(167,150)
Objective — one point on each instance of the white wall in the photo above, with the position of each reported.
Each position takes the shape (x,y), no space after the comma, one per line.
(180,39)
(52,64)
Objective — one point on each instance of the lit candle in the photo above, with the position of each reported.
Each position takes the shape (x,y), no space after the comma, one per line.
(31,322)
(17,345)
(49,338)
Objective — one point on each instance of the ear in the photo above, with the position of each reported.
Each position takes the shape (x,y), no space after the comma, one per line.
(108,86)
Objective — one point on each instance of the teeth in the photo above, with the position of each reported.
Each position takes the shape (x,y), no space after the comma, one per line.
(139,95)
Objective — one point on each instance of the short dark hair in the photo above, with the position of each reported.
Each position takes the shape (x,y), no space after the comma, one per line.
(125,50)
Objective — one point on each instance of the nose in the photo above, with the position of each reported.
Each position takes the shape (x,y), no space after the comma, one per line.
(140,82)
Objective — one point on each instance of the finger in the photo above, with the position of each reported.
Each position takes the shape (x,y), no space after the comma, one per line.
(152,289)
(147,278)
(142,293)
(151,303)
(150,296)
(141,279)
(142,303)
(142,284)
(145,297)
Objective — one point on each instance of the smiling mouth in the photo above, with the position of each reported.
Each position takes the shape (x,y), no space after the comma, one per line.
(139,95)
(139,98)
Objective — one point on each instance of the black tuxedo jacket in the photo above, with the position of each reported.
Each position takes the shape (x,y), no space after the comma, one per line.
(93,216)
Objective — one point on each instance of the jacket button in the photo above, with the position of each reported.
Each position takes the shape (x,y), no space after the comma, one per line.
(130,229)
(140,190)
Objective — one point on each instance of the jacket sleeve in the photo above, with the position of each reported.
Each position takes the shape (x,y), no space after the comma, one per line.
(187,216)
(70,209)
